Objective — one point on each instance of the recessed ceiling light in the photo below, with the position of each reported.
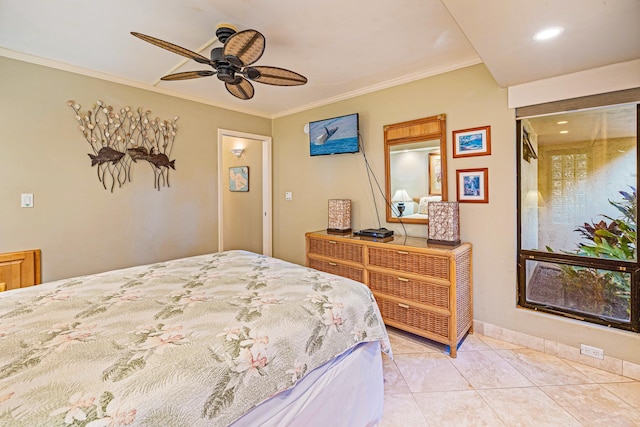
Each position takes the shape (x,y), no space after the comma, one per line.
(563,122)
(548,33)
(564,131)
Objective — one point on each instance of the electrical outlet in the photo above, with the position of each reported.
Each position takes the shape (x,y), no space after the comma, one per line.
(288,195)
(596,352)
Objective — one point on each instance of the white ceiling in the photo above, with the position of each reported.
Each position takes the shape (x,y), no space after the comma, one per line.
(344,47)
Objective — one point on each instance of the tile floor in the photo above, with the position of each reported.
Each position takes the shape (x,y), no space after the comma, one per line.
(495,383)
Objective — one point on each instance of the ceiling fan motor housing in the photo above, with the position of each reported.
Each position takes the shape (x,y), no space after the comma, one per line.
(223,32)
(226,73)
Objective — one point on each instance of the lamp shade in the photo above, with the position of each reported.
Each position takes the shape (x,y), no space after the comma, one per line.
(444,223)
(339,216)
(401,195)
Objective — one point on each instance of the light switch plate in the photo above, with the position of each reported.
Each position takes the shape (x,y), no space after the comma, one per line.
(26,200)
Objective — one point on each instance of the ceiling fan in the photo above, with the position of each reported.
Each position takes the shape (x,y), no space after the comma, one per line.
(232,62)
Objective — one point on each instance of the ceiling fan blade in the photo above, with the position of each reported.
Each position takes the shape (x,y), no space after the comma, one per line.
(276,76)
(189,75)
(243,89)
(173,48)
(244,48)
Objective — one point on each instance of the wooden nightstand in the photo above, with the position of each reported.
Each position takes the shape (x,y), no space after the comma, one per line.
(19,269)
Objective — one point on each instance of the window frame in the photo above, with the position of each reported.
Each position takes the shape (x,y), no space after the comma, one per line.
(524,255)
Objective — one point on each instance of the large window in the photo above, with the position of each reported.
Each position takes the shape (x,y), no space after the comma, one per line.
(577,198)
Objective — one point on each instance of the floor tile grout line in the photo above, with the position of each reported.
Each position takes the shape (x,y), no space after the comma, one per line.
(413,396)
(562,406)
(543,392)
(637,408)
(486,402)
(475,391)
(565,361)
(530,379)
(490,388)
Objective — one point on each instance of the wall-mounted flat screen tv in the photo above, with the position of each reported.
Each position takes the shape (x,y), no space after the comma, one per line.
(334,136)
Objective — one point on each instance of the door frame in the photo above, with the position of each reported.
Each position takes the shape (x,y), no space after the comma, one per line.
(267,205)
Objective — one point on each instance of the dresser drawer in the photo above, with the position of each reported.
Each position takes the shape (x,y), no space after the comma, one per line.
(433,323)
(349,272)
(414,290)
(417,263)
(335,249)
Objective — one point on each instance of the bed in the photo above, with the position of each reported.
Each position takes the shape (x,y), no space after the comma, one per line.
(231,338)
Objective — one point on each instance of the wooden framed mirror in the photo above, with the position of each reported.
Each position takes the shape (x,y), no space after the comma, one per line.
(415,159)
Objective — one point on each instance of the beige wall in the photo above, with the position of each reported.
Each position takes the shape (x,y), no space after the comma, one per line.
(470,98)
(80,227)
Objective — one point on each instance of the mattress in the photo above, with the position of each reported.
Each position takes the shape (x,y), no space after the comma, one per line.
(206,340)
(346,391)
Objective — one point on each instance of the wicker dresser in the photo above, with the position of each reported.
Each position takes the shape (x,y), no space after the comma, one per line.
(420,288)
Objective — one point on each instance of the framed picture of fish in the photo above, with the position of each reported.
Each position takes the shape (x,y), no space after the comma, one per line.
(473,185)
(239,178)
(472,142)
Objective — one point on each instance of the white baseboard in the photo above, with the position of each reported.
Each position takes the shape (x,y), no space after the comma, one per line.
(609,364)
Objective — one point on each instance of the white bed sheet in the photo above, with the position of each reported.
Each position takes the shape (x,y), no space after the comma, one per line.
(346,391)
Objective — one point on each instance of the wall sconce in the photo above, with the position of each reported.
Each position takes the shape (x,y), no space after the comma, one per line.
(399,198)
(237,152)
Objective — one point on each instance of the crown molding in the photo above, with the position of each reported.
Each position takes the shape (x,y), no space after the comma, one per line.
(380,86)
(132,83)
(144,86)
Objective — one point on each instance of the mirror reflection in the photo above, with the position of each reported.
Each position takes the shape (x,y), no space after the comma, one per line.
(416,176)
(416,173)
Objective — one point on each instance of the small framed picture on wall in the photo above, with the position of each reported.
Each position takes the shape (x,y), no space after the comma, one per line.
(472,142)
(239,178)
(473,185)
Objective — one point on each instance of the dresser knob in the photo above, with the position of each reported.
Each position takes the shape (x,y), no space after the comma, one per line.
(403,305)
(333,242)
(402,279)
(332,264)
(403,252)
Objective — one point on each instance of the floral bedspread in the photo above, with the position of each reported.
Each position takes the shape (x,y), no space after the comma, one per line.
(191,342)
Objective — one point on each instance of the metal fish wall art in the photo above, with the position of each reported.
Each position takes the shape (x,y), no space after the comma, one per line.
(120,138)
